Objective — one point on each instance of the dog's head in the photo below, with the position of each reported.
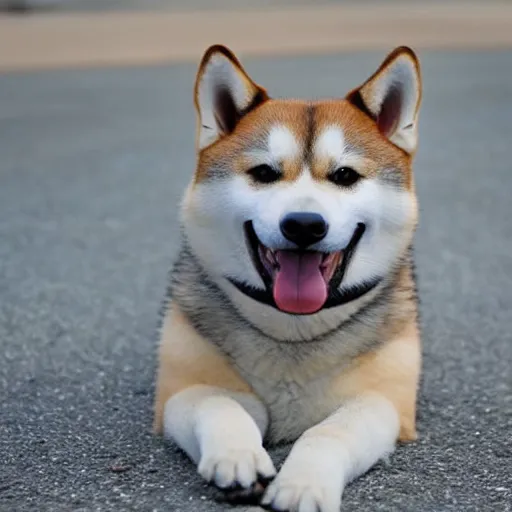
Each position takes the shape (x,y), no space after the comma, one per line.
(302,206)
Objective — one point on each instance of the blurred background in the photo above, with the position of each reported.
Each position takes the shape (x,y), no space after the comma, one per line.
(96,148)
(60,33)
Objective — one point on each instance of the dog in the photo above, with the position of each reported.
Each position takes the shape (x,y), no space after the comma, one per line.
(293,312)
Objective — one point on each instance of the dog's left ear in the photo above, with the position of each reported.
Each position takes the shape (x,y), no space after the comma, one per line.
(392,97)
(223,94)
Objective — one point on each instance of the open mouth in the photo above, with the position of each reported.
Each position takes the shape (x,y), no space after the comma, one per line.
(300,281)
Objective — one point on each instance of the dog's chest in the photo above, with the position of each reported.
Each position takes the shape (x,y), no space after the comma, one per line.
(295,398)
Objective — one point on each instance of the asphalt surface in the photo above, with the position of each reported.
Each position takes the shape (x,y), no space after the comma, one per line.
(92,165)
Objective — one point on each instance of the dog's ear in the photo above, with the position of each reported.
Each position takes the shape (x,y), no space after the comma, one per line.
(392,97)
(223,94)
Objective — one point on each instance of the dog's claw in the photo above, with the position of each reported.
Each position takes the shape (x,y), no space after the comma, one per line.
(238,495)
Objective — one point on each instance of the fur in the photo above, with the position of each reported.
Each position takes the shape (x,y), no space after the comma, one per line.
(236,373)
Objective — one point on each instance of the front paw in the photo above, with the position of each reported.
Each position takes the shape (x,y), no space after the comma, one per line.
(241,473)
(311,479)
(300,495)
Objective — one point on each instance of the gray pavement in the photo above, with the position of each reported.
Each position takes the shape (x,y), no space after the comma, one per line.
(92,165)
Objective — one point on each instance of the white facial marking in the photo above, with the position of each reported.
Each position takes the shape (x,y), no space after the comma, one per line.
(282,145)
(330,144)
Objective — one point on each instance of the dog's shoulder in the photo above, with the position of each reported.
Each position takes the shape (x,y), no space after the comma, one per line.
(186,358)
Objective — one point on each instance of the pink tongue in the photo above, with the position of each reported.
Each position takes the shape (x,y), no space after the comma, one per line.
(299,286)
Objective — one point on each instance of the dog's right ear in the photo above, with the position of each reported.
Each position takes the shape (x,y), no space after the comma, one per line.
(223,94)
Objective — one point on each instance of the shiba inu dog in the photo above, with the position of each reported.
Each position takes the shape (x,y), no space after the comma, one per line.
(293,311)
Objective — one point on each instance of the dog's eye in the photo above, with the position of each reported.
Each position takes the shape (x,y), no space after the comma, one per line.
(344,176)
(264,174)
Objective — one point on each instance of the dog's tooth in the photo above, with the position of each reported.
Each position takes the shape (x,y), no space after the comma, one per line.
(328,259)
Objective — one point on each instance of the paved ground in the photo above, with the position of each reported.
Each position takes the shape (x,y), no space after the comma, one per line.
(92,166)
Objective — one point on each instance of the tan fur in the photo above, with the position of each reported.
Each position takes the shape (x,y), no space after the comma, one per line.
(251,128)
(252,90)
(402,51)
(394,369)
(233,380)
(186,359)
(360,132)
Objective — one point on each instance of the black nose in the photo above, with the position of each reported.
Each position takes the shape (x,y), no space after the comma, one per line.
(304,228)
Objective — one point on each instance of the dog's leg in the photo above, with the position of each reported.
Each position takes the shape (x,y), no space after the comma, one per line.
(222,432)
(204,405)
(334,452)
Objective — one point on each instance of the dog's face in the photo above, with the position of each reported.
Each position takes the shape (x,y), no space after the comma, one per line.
(303,206)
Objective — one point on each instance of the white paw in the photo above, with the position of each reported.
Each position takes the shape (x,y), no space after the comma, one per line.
(301,496)
(232,468)
(311,479)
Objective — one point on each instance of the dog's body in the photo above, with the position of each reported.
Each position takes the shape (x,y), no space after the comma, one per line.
(293,311)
